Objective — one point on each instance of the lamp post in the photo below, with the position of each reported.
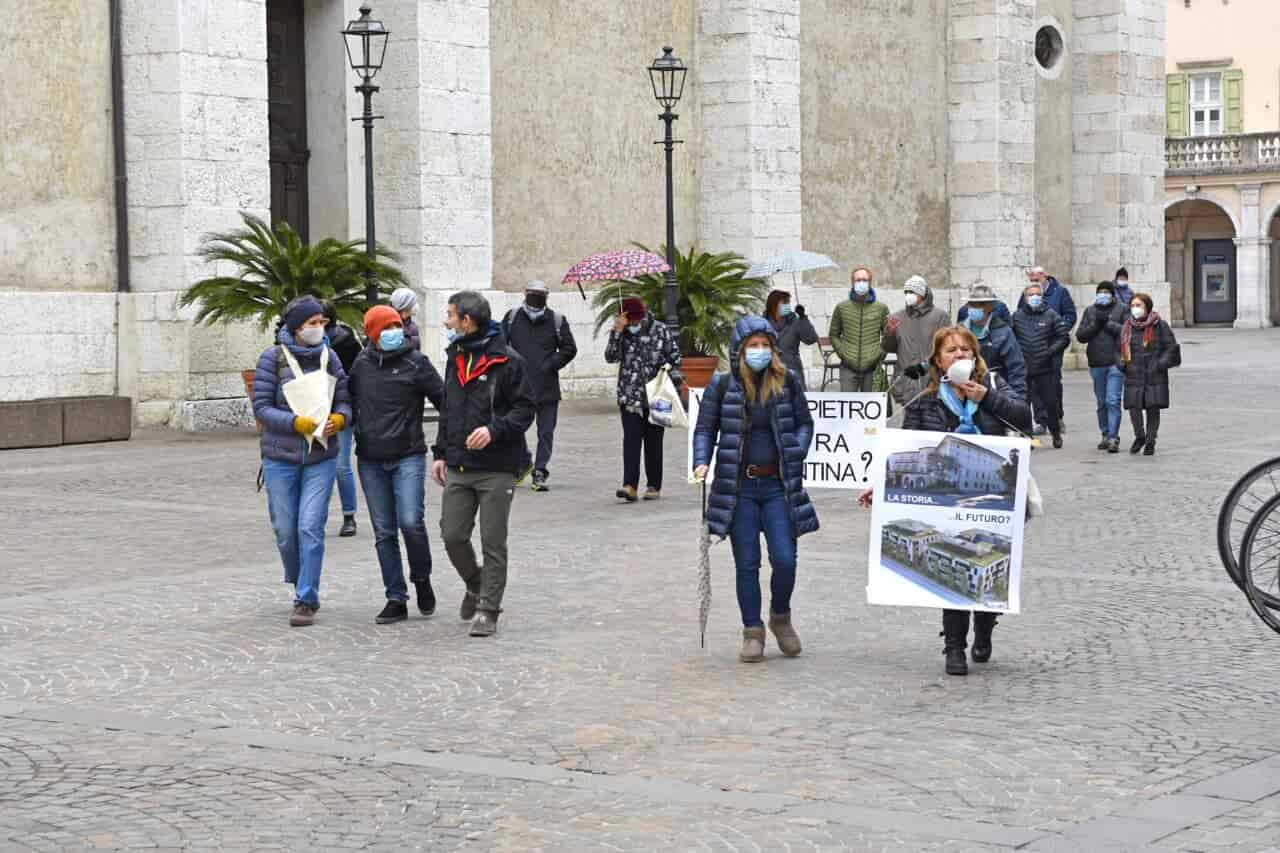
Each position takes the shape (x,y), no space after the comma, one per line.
(667,75)
(366,47)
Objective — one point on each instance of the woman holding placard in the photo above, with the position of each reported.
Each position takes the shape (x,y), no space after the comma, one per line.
(300,398)
(962,399)
(757,418)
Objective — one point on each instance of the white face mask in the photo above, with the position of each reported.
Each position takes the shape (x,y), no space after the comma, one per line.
(1122,281)
(912,300)
(960,371)
(1138,312)
(861,287)
(311,335)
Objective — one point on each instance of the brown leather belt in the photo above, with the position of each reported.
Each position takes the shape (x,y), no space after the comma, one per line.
(755,472)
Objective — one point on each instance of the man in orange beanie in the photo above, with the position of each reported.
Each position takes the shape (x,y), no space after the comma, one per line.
(388,384)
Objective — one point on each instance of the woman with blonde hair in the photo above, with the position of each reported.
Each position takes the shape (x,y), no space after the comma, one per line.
(962,398)
(757,420)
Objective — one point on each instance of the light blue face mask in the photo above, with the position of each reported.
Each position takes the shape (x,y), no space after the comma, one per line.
(1034,301)
(391,339)
(786,310)
(862,288)
(450,335)
(759,359)
(1102,300)
(635,330)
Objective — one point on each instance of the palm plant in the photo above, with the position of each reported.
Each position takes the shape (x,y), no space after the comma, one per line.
(713,293)
(273,266)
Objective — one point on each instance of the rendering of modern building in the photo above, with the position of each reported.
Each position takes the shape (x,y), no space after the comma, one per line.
(974,562)
(955,465)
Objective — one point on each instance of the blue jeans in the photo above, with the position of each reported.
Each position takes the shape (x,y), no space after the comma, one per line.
(346,474)
(1108,389)
(298,499)
(762,508)
(396,493)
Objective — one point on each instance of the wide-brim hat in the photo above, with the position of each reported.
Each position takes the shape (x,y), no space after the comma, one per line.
(981,293)
(536,286)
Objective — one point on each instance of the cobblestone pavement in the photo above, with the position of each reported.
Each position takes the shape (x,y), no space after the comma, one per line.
(153,696)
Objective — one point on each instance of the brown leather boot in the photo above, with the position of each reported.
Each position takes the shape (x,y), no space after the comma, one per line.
(752,645)
(788,639)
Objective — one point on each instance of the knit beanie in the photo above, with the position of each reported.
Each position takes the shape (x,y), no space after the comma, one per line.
(634,309)
(917,285)
(301,311)
(403,299)
(378,318)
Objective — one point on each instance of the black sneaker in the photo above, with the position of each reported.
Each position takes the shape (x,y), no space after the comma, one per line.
(1104,444)
(348,526)
(540,481)
(1150,448)
(1139,442)
(395,611)
(426,597)
(1057,441)
(1113,446)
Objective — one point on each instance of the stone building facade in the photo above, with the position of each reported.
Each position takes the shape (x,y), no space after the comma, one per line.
(958,139)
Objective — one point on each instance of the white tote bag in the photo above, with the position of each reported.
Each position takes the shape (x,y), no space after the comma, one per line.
(665,407)
(310,395)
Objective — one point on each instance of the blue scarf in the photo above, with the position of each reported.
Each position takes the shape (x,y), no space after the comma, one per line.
(961,408)
(978,332)
(480,340)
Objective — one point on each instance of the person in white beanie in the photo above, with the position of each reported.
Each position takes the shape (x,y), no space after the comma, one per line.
(909,333)
(404,301)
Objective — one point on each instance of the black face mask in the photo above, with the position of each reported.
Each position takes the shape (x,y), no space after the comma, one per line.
(536,301)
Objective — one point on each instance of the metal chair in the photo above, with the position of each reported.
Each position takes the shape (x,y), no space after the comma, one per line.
(830,363)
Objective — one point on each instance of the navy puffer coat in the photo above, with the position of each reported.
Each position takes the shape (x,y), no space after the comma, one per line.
(722,422)
(278,440)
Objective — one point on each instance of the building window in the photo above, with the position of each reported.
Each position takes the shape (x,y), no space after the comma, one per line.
(1206,105)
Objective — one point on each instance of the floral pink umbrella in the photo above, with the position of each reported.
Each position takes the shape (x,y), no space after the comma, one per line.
(614,266)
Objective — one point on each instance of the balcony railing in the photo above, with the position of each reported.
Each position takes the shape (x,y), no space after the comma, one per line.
(1242,153)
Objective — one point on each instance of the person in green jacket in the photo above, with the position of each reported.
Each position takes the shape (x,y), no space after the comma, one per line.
(856,329)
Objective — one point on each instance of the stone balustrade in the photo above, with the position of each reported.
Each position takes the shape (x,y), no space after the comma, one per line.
(1237,154)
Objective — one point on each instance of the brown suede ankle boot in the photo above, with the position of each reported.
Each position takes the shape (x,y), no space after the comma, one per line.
(788,639)
(752,645)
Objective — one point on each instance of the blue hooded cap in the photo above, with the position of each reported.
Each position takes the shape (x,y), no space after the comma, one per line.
(745,328)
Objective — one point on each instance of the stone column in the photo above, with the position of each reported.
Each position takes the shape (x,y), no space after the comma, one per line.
(433,153)
(195,100)
(1174,264)
(1119,79)
(748,76)
(992,117)
(1253,263)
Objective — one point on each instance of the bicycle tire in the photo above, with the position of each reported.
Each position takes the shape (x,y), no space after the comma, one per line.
(1234,518)
(1261,561)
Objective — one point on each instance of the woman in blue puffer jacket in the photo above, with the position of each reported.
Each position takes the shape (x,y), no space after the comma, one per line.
(299,475)
(758,416)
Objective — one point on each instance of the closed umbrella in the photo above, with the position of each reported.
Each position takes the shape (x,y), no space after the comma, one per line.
(704,570)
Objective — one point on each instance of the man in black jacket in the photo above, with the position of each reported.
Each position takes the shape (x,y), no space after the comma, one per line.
(388,383)
(1100,331)
(545,341)
(478,452)
(1042,336)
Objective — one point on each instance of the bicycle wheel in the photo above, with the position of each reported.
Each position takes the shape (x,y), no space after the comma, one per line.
(1244,500)
(1260,563)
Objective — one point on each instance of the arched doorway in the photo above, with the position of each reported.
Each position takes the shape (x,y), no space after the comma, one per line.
(1200,262)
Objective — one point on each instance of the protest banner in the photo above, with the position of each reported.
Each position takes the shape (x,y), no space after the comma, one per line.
(947,521)
(845,426)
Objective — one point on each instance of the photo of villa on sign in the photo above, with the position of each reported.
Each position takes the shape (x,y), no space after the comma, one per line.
(953,473)
(973,563)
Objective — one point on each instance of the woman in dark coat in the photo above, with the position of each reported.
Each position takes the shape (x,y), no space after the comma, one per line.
(757,415)
(970,407)
(1147,350)
(794,328)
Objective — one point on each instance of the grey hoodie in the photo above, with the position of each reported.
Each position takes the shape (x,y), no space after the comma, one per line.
(913,342)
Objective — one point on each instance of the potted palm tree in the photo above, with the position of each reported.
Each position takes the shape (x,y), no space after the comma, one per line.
(712,294)
(272,266)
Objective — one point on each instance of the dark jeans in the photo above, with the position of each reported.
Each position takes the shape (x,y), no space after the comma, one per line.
(396,495)
(1152,426)
(762,508)
(547,414)
(638,434)
(1045,389)
(487,494)
(1057,371)
(955,626)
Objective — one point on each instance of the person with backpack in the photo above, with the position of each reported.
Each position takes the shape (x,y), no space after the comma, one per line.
(1148,350)
(389,383)
(545,341)
(1100,331)
(757,420)
(345,343)
(298,469)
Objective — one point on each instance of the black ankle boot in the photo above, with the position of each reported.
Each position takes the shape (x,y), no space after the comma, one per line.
(1139,442)
(1150,448)
(956,663)
(981,645)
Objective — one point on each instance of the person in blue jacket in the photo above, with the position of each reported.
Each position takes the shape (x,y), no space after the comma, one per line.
(1058,299)
(299,472)
(758,418)
(1000,350)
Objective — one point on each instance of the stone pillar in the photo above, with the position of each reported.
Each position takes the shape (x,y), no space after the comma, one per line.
(1119,78)
(195,100)
(1175,264)
(748,76)
(433,153)
(991,86)
(1253,263)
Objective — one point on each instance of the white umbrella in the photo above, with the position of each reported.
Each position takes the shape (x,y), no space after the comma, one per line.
(794,262)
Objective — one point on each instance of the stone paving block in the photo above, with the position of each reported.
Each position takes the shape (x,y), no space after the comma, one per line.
(1184,808)
(1247,784)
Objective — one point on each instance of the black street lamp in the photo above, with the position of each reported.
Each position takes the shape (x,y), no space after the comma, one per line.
(366,46)
(667,75)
